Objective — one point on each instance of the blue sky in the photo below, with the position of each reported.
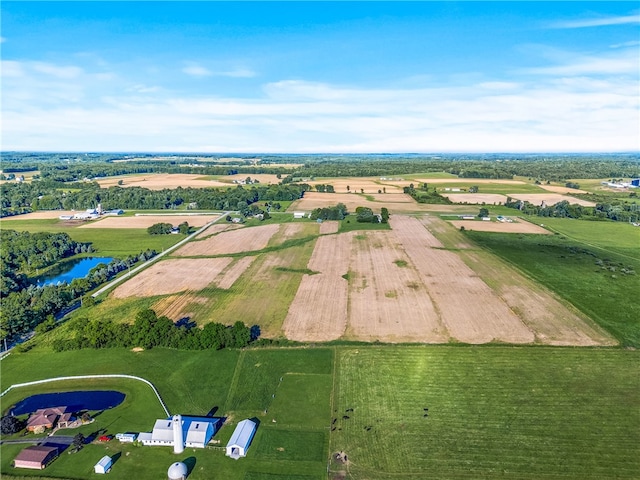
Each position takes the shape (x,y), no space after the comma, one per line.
(299,77)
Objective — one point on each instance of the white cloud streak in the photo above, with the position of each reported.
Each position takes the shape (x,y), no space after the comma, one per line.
(598,22)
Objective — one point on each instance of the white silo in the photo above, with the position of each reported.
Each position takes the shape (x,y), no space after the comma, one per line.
(178,439)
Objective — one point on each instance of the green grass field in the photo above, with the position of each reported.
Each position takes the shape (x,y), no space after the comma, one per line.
(494,412)
(601,283)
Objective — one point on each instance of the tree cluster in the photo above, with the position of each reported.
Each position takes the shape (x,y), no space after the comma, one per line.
(160,229)
(424,195)
(322,188)
(149,331)
(366,215)
(330,213)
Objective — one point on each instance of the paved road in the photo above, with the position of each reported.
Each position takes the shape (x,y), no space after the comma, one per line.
(57,439)
(129,274)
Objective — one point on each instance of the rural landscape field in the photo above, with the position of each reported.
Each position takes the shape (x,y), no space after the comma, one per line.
(320,240)
(437,343)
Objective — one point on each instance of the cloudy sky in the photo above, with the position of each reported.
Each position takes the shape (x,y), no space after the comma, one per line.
(321,77)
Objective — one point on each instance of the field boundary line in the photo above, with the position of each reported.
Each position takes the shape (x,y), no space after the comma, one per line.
(85,377)
(234,380)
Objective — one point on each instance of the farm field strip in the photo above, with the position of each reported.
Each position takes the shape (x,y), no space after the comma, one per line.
(233,241)
(215,229)
(329,226)
(520,226)
(145,221)
(488,198)
(472,312)
(387,301)
(319,310)
(395,202)
(173,276)
(550,199)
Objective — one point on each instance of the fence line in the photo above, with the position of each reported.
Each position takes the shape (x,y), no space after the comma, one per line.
(84,377)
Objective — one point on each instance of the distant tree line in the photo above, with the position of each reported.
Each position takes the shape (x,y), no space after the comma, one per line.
(149,331)
(22,198)
(618,211)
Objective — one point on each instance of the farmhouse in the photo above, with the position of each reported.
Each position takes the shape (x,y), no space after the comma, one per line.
(36,457)
(48,417)
(240,440)
(104,465)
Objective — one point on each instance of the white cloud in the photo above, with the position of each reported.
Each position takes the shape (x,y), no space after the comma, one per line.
(3,39)
(197,71)
(611,63)
(631,43)
(60,111)
(598,22)
(58,71)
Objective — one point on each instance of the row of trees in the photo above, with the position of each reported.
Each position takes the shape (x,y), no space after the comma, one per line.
(149,331)
(423,195)
(21,198)
(617,211)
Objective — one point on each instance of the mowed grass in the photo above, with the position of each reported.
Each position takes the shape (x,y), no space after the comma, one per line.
(591,279)
(493,412)
(619,237)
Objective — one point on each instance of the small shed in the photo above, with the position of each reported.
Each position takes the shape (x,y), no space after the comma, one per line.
(127,437)
(241,439)
(104,465)
(298,214)
(36,457)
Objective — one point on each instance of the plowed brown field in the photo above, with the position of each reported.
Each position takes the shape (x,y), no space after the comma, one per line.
(172,276)
(235,241)
(330,226)
(488,198)
(395,202)
(145,221)
(319,310)
(520,226)
(387,300)
(550,199)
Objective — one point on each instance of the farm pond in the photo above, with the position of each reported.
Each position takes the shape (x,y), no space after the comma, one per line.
(74,401)
(68,271)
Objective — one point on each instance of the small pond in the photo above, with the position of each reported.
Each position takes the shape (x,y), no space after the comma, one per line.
(74,401)
(66,272)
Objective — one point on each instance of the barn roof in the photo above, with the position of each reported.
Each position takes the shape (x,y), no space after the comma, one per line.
(37,453)
(242,434)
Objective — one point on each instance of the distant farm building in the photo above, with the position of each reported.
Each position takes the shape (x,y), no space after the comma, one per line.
(241,439)
(36,457)
(104,465)
(48,418)
(298,214)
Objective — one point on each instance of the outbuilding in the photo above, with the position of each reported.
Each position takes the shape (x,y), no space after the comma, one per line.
(104,465)
(241,439)
(298,214)
(36,457)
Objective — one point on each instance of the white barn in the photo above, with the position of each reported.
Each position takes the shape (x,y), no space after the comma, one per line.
(104,465)
(241,439)
(193,432)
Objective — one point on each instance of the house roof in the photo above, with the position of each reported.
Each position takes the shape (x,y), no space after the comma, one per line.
(37,453)
(46,416)
(242,434)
